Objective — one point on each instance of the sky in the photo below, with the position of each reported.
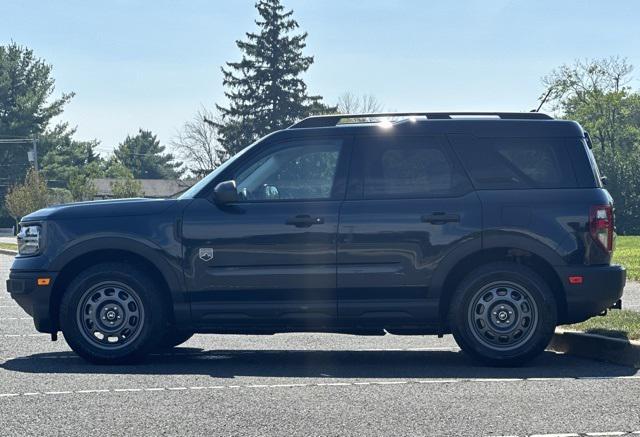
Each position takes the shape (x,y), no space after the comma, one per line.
(153,63)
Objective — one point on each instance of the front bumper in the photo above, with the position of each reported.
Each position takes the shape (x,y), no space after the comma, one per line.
(601,287)
(33,298)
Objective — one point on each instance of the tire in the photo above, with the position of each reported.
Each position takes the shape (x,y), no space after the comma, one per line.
(503,314)
(174,338)
(113,313)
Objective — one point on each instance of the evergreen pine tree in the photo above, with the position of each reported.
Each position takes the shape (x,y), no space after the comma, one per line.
(264,88)
(145,158)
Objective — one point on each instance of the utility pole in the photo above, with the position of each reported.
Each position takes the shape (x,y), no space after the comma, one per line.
(32,155)
(35,154)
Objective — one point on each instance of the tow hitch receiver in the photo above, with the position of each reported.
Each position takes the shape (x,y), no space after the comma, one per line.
(617,305)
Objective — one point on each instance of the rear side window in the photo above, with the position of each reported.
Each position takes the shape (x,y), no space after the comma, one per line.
(408,168)
(517,163)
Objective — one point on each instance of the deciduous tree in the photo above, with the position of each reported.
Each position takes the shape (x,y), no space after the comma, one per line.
(198,143)
(597,94)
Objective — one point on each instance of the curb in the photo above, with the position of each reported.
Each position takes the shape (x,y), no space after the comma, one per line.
(596,347)
(8,252)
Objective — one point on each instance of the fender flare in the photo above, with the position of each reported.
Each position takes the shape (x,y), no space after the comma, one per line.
(148,250)
(476,246)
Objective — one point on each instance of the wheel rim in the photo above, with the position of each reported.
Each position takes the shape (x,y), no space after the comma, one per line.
(503,315)
(110,315)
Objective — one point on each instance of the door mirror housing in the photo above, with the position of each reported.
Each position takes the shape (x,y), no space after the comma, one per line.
(226,192)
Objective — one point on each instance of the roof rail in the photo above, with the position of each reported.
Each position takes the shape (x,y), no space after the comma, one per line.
(335,119)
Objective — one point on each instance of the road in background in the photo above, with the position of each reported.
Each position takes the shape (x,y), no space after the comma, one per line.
(302,384)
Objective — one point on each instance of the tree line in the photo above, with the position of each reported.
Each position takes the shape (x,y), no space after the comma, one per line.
(265,91)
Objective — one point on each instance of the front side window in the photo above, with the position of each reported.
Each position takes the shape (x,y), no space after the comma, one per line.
(296,171)
(406,169)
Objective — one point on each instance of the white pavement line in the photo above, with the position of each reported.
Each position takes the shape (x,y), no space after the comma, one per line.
(24,335)
(606,433)
(15,318)
(571,434)
(316,384)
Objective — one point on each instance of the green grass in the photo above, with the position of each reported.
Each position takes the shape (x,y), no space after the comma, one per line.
(10,246)
(617,323)
(627,253)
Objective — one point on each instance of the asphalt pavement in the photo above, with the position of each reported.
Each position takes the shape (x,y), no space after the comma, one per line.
(303,384)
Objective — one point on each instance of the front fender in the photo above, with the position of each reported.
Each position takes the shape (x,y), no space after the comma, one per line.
(168,264)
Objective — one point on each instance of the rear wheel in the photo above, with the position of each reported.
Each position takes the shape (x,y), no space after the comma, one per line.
(112,313)
(503,314)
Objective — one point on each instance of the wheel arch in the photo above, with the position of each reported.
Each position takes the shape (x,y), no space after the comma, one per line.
(541,260)
(144,257)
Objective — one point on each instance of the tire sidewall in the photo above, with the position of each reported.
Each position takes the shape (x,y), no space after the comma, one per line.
(543,300)
(151,330)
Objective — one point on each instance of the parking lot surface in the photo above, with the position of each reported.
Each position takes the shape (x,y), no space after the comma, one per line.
(302,384)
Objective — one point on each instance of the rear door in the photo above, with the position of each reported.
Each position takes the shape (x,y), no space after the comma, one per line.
(408,205)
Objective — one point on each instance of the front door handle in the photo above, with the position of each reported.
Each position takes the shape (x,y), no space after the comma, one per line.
(304,221)
(440,218)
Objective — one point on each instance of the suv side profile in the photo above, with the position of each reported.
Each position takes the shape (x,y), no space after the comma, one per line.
(493,227)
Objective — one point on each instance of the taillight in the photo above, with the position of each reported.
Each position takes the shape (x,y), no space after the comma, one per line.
(601,226)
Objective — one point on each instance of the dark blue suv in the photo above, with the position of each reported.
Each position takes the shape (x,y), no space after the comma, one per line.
(493,227)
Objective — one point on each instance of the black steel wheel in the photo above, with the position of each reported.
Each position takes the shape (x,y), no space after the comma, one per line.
(503,314)
(110,315)
(113,313)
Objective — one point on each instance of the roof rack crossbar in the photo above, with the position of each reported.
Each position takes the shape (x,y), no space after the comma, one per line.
(335,119)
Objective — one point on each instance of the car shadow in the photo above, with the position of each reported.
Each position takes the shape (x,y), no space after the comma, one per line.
(375,364)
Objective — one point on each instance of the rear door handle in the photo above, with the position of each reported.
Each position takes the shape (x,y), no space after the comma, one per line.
(440,218)
(304,221)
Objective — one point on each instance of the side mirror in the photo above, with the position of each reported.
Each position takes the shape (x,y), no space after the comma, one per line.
(226,192)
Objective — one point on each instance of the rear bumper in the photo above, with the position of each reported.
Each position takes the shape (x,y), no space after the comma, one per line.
(601,287)
(33,298)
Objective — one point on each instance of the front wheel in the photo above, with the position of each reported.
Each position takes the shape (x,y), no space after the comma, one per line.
(503,314)
(112,313)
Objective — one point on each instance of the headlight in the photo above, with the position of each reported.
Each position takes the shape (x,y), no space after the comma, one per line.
(29,240)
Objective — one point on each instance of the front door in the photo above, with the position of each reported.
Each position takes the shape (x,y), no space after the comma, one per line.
(270,257)
(409,204)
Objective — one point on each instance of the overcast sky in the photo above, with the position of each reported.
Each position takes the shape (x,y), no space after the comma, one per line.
(152,64)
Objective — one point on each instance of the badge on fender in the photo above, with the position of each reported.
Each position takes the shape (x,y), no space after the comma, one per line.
(206,253)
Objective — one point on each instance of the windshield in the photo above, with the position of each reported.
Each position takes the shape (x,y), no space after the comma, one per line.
(194,190)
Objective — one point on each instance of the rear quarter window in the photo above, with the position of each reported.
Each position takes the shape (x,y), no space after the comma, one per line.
(516,163)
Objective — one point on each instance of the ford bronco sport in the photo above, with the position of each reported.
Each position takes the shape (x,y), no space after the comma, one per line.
(493,227)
